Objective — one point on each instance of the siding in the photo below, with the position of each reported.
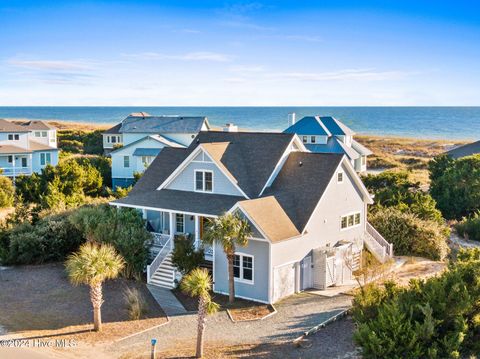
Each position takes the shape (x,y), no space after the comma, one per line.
(257,291)
(324,227)
(221,184)
(36,166)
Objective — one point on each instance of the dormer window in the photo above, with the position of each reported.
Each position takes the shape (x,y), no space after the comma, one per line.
(204,181)
(13,137)
(304,139)
(340,177)
(312,139)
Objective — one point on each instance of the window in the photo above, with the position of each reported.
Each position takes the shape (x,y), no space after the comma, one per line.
(13,136)
(44,133)
(147,160)
(312,139)
(340,177)
(304,139)
(364,160)
(24,162)
(37,134)
(114,139)
(180,223)
(204,181)
(45,158)
(350,220)
(243,267)
(126,161)
(10,159)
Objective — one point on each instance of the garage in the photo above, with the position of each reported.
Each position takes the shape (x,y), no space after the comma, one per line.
(283,281)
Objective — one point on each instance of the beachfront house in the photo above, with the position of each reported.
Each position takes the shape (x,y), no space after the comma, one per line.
(307,212)
(326,134)
(465,150)
(138,139)
(26,147)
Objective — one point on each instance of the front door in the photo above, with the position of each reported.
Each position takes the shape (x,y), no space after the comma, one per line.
(307,281)
(24,162)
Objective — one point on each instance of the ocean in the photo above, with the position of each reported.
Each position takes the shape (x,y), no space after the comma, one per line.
(462,123)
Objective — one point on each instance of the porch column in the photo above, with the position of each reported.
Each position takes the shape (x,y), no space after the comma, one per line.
(171,217)
(144,213)
(297,277)
(197,231)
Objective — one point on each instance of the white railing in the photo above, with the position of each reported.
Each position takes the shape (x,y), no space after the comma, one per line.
(152,267)
(208,251)
(15,171)
(380,240)
(375,248)
(160,239)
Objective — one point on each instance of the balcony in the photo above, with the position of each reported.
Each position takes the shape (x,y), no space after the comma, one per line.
(15,171)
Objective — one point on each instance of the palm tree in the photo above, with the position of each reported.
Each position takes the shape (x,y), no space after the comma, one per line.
(92,265)
(198,283)
(231,231)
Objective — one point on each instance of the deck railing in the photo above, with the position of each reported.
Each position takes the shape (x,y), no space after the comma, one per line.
(380,240)
(15,171)
(152,267)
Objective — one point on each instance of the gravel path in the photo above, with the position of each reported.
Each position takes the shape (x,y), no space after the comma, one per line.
(295,315)
(460,241)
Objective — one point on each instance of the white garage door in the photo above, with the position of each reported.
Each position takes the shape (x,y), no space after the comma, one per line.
(283,281)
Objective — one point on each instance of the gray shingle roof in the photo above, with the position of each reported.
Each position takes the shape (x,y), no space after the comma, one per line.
(162,124)
(7,126)
(113,130)
(36,125)
(465,150)
(301,182)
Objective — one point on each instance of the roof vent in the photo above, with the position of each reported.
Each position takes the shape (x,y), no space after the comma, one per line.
(230,127)
(300,164)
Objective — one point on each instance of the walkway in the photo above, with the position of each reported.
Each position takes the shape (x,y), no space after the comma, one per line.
(165,298)
(295,315)
(462,242)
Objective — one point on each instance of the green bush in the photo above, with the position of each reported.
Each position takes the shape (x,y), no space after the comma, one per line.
(411,235)
(184,256)
(470,227)
(78,141)
(124,229)
(455,185)
(50,239)
(7,192)
(436,318)
(394,189)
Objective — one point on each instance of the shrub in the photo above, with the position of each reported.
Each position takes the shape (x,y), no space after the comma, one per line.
(411,235)
(7,192)
(394,189)
(136,304)
(470,227)
(51,239)
(78,141)
(436,318)
(124,229)
(184,255)
(455,185)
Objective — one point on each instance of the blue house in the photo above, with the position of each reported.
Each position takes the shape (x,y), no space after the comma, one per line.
(307,212)
(325,134)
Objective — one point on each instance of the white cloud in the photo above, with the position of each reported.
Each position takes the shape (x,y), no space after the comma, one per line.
(346,74)
(246,68)
(306,38)
(50,65)
(191,56)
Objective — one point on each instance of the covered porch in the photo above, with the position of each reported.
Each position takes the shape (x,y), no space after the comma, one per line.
(164,225)
(13,165)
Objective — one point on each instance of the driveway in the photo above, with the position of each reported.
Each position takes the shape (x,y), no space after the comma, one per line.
(295,315)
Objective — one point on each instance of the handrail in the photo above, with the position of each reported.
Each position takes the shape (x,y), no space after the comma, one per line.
(10,171)
(152,267)
(379,238)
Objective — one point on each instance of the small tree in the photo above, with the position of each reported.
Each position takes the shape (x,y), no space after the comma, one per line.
(92,265)
(184,255)
(198,284)
(7,192)
(231,231)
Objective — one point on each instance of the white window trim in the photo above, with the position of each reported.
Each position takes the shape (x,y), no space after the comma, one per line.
(124,157)
(354,225)
(13,137)
(45,162)
(343,176)
(241,280)
(183,223)
(314,138)
(203,181)
(108,139)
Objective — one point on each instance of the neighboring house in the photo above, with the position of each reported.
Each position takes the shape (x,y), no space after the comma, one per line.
(325,134)
(307,211)
(137,140)
(26,147)
(465,150)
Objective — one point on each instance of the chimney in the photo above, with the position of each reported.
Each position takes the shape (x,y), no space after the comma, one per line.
(291,119)
(230,127)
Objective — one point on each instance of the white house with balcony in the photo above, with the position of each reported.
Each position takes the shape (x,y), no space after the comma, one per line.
(307,212)
(137,140)
(26,147)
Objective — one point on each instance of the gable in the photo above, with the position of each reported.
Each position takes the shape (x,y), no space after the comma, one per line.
(255,231)
(185,179)
(146,142)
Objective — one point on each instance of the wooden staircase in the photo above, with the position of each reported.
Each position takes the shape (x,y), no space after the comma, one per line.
(377,245)
(164,276)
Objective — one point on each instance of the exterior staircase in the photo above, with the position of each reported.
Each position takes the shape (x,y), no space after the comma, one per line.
(377,245)
(161,272)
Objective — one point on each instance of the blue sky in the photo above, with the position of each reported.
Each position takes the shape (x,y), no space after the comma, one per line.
(239,53)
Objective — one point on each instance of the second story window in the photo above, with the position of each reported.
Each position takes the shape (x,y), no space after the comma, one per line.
(126,161)
(204,181)
(114,139)
(44,133)
(45,159)
(304,139)
(340,177)
(13,137)
(312,139)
